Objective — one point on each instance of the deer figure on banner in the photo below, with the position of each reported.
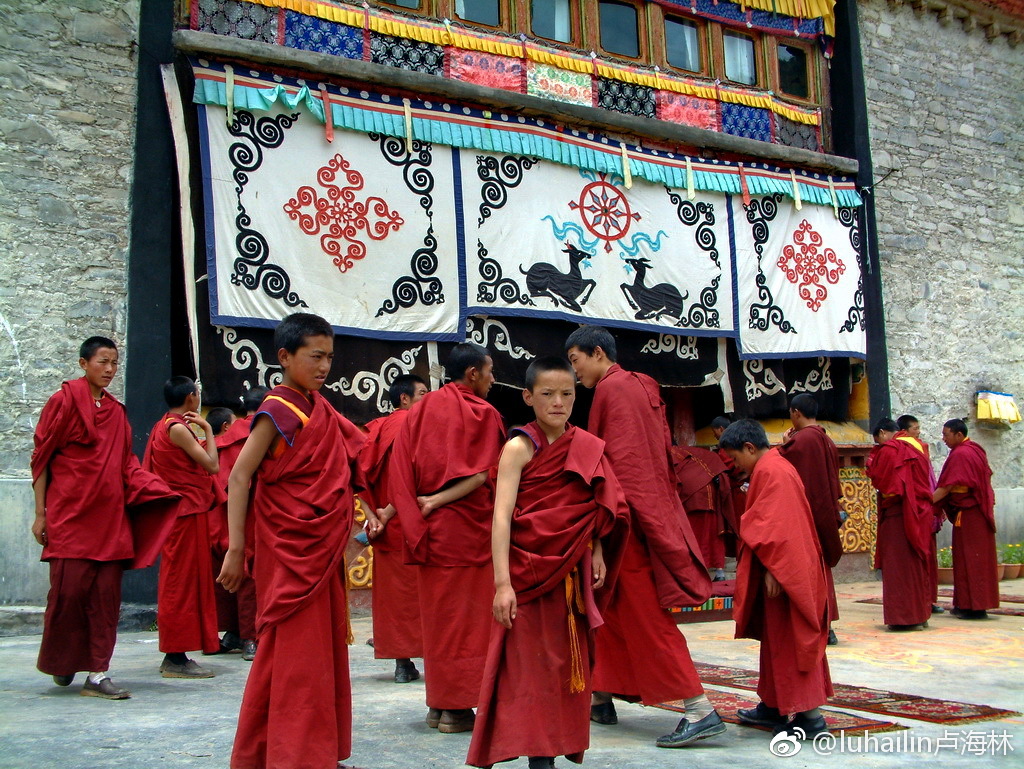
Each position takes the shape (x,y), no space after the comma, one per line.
(651,302)
(566,288)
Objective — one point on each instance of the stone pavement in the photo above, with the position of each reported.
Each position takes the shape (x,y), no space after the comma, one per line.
(174,723)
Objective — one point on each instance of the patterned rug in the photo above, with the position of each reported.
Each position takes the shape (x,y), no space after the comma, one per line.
(1005,611)
(870,700)
(947,592)
(727,703)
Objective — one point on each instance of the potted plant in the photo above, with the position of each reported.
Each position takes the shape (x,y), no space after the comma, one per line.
(1012,559)
(945,559)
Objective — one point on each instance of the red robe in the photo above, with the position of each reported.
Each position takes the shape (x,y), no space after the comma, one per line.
(816,459)
(970,506)
(186,607)
(640,653)
(397,632)
(528,703)
(448,435)
(739,501)
(104,513)
(899,469)
(296,710)
(778,535)
(704,490)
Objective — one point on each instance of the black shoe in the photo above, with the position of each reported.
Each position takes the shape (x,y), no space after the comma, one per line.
(936,609)
(604,714)
(249,647)
(905,628)
(970,613)
(230,643)
(762,715)
(405,671)
(832,640)
(687,733)
(804,728)
(64,680)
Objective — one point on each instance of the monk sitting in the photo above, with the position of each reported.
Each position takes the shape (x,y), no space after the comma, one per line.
(86,480)
(781,595)
(297,706)
(186,607)
(554,500)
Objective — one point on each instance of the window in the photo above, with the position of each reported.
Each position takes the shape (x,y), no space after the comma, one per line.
(551,19)
(479,11)
(413,4)
(619,28)
(682,44)
(793,78)
(740,62)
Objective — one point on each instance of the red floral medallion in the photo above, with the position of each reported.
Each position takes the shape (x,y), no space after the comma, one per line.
(806,263)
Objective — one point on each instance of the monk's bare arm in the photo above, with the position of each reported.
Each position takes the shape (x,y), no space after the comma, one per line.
(597,565)
(39,490)
(940,494)
(253,452)
(514,456)
(183,438)
(431,502)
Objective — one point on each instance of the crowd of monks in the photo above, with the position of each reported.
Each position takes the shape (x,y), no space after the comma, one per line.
(532,570)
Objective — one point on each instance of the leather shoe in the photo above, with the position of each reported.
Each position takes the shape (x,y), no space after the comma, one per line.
(936,609)
(191,669)
(604,714)
(105,689)
(686,733)
(433,718)
(249,649)
(455,721)
(970,613)
(832,640)
(762,715)
(804,728)
(405,671)
(64,680)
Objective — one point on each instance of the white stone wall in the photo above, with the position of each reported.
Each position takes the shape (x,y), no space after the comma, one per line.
(947,113)
(67,69)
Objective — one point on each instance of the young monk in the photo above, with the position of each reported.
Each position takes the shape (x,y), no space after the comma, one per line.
(780,588)
(397,632)
(297,706)
(706,494)
(97,514)
(442,488)
(555,498)
(236,612)
(640,653)
(186,607)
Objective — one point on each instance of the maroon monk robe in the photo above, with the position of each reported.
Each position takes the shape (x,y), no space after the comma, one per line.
(397,629)
(970,506)
(235,611)
(899,469)
(778,535)
(448,435)
(703,484)
(186,607)
(297,707)
(535,697)
(738,498)
(816,460)
(95,493)
(640,653)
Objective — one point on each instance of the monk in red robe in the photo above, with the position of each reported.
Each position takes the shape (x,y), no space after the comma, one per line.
(297,706)
(555,499)
(442,487)
(186,611)
(899,470)
(704,490)
(780,588)
(640,653)
(737,487)
(816,459)
(97,513)
(966,496)
(912,427)
(397,629)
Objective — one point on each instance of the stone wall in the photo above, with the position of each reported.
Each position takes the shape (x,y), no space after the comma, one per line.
(67,68)
(947,115)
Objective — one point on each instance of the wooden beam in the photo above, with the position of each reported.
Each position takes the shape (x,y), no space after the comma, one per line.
(200,43)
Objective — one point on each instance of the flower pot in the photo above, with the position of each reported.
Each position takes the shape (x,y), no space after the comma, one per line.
(1012,570)
(945,575)
(999,571)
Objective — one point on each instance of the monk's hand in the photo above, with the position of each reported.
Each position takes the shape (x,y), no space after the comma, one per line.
(598,569)
(39,529)
(771,585)
(504,606)
(427,505)
(385,514)
(232,571)
(788,434)
(194,418)
(373,525)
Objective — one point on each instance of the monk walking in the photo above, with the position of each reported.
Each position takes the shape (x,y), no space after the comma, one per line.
(966,496)
(640,653)
(442,488)
(780,588)
(706,494)
(86,480)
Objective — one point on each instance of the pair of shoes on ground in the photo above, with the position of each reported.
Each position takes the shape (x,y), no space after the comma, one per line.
(451,721)
(190,669)
(405,671)
(249,647)
(969,613)
(687,733)
(762,715)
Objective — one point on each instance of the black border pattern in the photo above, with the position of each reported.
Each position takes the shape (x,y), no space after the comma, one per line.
(494,285)
(855,315)
(498,176)
(759,213)
(702,214)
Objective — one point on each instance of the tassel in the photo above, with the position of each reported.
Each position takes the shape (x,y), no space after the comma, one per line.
(835,200)
(328,113)
(743,186)
(798,204)
(229,92)
(577,680)
(690,193)
(627,175)
(408,126)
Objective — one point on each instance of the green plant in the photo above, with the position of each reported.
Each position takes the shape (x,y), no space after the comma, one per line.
(945,556)
(1011,553)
